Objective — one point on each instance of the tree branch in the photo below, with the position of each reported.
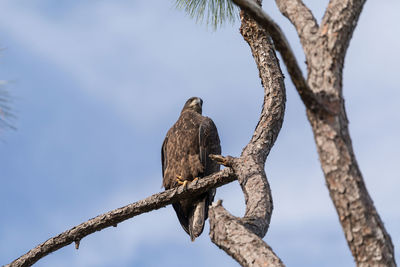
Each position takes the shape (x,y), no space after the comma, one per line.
(325,51)
(363,228)
(338,24)
(112,218)
(247,248)
(242,238)
(314,102)
(302,18)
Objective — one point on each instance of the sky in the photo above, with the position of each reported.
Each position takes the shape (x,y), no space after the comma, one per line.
(96,85)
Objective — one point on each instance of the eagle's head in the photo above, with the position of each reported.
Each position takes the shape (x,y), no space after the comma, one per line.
(193,104)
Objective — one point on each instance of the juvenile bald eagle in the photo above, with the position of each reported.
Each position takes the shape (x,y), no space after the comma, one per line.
(184,157)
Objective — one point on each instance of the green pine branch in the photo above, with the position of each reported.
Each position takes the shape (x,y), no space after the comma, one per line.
(214,12)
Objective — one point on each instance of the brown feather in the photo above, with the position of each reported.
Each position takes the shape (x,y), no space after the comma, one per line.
(185,152)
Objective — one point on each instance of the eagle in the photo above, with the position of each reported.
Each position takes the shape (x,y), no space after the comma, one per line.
(185,158)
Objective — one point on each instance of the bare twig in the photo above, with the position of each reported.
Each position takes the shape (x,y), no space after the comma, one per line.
(116,216)
(226,161)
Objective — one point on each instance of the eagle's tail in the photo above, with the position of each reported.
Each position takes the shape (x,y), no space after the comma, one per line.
(197,218)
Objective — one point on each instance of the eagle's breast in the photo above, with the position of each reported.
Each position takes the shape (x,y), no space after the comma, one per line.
(183,149)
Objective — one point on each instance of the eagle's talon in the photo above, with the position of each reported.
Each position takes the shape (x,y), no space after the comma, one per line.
(184,183)
(181,181)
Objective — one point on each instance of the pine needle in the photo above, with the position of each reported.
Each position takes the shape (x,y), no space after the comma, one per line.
(6,115)
(215,12)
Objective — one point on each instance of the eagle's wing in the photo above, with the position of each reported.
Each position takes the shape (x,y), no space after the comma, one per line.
(177,206)
(208,144)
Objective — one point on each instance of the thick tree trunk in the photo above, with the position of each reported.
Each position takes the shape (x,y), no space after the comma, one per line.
(365,233)
(325,49)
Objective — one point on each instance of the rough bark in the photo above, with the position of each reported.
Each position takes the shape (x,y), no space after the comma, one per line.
(247,248)
(241,237)
(314,101)
(116,216)
(325,49)
(302,18)
(251,174)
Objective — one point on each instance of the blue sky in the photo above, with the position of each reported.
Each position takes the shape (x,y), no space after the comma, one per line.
(97,84)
